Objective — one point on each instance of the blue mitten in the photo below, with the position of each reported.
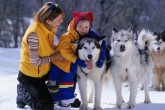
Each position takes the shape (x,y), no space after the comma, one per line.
(81,63)
(102,57)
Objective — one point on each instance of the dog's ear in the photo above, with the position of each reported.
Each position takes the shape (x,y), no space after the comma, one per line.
(163,39)
(100,42)
(114,30)
(130,29)
(75,44)
(78,45)
(101,37)
(164,31)
(155,33)
(163,35)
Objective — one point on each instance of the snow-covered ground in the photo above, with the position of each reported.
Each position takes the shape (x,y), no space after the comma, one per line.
(9,63)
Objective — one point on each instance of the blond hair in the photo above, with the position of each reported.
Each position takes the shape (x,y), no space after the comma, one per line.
(49,11)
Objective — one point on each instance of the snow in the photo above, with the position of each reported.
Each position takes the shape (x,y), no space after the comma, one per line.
(9,67)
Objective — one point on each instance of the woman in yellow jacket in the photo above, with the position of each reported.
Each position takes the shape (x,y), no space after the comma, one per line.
(61,77)
(36,53)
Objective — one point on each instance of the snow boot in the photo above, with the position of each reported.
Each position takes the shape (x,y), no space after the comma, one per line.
(19,101)
(76,103)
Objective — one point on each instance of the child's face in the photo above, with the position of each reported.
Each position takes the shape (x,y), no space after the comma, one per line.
(56,22)
(82,27)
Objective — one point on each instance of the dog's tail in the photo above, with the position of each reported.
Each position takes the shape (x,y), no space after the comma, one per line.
(145,39)
(106,75)
(108,58)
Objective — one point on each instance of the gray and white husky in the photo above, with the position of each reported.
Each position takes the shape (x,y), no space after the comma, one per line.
(131,62)
(89,49)
(158,56)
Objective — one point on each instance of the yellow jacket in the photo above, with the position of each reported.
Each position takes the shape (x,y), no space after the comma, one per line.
(46,45)
(67,48)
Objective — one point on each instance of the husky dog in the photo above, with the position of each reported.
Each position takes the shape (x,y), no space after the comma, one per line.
(89,49)
(158,56)
(131,62)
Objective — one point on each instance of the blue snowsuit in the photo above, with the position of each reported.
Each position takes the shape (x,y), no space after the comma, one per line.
(63,87)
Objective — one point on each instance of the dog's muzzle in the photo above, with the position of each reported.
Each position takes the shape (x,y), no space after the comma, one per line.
(122,48)
(89,62)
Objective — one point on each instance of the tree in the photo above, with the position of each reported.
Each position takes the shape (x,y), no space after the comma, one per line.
(16,14)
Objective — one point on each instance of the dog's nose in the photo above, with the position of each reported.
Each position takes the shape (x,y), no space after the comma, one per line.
(90,56)
(158,48)
(122,48)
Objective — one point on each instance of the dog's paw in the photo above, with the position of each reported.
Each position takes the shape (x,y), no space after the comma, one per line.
(163,88)
(130,106)
(157,88)
(147,101)
(83,107)
(118,106)
(97,108)
(141,88)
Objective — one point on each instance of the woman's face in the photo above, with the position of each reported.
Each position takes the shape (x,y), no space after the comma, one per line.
(82,27)
(56,22)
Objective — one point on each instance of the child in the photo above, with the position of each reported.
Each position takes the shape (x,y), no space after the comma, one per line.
(62,74)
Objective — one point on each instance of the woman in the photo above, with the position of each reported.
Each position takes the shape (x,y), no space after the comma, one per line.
(36,54)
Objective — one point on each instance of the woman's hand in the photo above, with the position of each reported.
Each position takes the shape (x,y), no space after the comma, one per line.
(57,57)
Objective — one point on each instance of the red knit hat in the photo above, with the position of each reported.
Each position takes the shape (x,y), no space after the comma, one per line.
(82,15)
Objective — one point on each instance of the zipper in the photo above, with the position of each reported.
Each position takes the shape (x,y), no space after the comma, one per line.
(39,69)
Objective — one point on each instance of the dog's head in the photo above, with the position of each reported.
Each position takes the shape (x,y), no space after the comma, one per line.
(159,42)
(122,41)
(89,49)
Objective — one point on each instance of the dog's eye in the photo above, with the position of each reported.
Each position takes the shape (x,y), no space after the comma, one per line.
(126,40)
(85,48)
(160,42)
(93,47)
(118,40)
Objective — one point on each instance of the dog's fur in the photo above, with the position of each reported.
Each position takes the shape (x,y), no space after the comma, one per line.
(89,49)
(130,63)
(158,56)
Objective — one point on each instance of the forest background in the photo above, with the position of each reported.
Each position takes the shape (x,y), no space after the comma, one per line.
(16,15)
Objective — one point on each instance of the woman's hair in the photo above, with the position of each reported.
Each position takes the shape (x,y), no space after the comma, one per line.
(49,11)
